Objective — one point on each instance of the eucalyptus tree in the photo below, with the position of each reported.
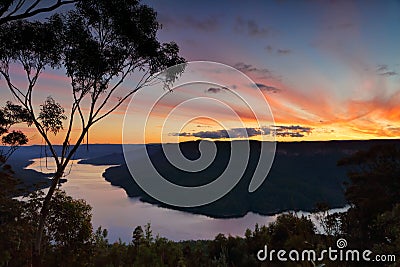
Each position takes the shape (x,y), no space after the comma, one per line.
(98,44)
(10,115)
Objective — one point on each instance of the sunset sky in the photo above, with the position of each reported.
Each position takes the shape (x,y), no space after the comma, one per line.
(328,69)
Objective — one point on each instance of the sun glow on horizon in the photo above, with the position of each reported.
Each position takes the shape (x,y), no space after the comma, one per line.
(330,73)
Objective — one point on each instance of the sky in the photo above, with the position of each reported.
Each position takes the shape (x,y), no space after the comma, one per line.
(329,70)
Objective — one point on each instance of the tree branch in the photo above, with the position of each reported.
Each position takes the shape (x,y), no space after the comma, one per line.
(111,92)
(30,12)
(79,107)
(32,6)
(140,85)
(17,7)
(35,121)
(14,90)
(65,144)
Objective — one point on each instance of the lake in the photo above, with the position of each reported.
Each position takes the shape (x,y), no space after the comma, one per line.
(114,210)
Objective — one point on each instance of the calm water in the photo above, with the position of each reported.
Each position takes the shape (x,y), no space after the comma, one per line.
(114,210)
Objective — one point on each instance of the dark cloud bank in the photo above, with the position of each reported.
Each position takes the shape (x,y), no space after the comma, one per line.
(277,130)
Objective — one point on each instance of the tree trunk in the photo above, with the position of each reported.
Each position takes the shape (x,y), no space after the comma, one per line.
(44,211)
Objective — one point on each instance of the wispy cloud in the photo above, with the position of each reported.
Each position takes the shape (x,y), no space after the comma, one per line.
(388,73)
(384,70)
(214,90)
(207,24)
(269,48)
(279,51)
(257,73)
(266,88)
(250,27)
(291,131)
(283,51)
(382,67)
(276,130)
(219,134)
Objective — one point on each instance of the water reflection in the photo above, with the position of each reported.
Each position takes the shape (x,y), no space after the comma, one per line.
(114,210)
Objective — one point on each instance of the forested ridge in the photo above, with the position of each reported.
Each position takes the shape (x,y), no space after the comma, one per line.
(372,222)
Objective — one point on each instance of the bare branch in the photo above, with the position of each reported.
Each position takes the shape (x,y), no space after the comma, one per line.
(39,127)
(26,101)
(75,147)
(32,6)
(111,92)
(142,83)
(17,7)
(66,139)
(31,11)
(78,100)
(14,90)
(3,10)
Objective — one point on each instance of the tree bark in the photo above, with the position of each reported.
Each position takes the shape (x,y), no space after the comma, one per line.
(44,212)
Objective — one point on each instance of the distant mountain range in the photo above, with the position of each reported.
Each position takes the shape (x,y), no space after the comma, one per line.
(303,174)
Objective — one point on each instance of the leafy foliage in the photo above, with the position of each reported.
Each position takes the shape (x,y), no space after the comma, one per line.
(388,223)
(10,115)
(69,228)
(374,189)
(52,115)
(98,44)
(32,44)
(68,238)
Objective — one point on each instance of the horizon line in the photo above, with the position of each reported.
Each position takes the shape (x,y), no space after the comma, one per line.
(242,140)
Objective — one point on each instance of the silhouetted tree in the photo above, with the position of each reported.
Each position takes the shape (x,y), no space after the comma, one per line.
(388,224)
(15,228)
(374,188)
(330,222)
(69,228)
(100,250)
(14,218)
(137,236)
(99,44)
(11,10)
(10,115)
